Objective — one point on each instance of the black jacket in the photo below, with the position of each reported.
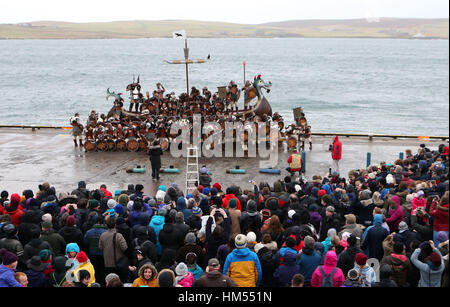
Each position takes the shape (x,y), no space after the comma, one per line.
(72,234)
(155,153)
(346,260)
(170,237)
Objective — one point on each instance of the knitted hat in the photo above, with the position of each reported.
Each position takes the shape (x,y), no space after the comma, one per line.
(203,171)
(402,227)
(119,209)
(240,241)
(47,217)
(81,257)
(206,191)
(309,242)
(190,238)
(435,259)
(361,259)
(232,203)
(7,256)
(442,236)
(321,193)
(196,210)
(93,203)
(420,193)
(162,188)
(117,192)
(111,203)
(45,254)
(251,237)
(189,196)
(217,186)
(162,211)
(181,269)
(251,206)
(327,199)
(71,220)
(200,188)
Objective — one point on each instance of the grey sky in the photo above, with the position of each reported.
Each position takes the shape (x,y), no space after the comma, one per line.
(235,11)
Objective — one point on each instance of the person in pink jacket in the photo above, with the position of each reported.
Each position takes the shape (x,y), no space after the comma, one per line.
(184,277)
(395,213)
(328,267)
(418,201)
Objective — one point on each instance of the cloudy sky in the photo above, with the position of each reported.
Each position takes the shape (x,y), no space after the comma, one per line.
(236,11)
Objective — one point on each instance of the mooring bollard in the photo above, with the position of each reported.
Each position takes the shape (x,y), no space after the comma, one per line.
(369,157)
(401,156)
(303,162)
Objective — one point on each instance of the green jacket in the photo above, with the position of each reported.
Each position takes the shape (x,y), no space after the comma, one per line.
(56,241)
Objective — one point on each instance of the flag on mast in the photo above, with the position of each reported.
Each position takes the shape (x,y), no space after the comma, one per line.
(179,34)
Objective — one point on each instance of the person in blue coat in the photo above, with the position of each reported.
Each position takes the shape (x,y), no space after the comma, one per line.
(375,237)
(7,269)
(308,259)
(181,207)
(157,223)
(283,274)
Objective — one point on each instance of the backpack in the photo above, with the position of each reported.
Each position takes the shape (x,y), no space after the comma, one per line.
(327,280)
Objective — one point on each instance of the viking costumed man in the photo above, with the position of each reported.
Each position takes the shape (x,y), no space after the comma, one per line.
(77,129)
(233,94)
(247,99)
(305,134)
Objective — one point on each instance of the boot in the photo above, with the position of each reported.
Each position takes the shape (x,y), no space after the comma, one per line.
(76,144)
(81,143)
(310,146)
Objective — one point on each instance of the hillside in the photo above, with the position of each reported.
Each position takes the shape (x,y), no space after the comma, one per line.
(385,28)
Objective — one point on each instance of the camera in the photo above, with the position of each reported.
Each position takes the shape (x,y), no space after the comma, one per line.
(330,148)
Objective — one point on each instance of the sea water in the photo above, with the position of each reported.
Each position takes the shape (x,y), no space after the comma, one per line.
(343,85)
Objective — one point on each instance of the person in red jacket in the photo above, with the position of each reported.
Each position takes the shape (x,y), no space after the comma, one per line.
(227,199)
(14,209)
(439,210)
(336,153)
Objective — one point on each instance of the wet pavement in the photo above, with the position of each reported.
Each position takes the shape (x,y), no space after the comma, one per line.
(29,158)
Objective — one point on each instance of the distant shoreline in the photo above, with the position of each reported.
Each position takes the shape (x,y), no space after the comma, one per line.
(250,37)
(394,28)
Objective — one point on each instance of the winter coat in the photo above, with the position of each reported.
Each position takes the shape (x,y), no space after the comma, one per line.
(190,248)
(243,266)
(418,203)
(395,218)
(196,271)
(235,216)
(155,154)
(367,273)
(186,281)
(170,237)
(92,238)
(7,277)
(157,223)
(71,234)
(425,231)
(57,278)
(329,222)
(328,267)
(308,261)
(283,274)
(214,279)
(16,215)
(428,277)
(374,238)
(106,245)
(346,259)
(88,267)
(212,244)
(181,207)
(36,279)
(56,241)
(336,152)
(354,229)
(363,210)
(441,218)
(268,266)
(401,268)
(141,282)
(34,247)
